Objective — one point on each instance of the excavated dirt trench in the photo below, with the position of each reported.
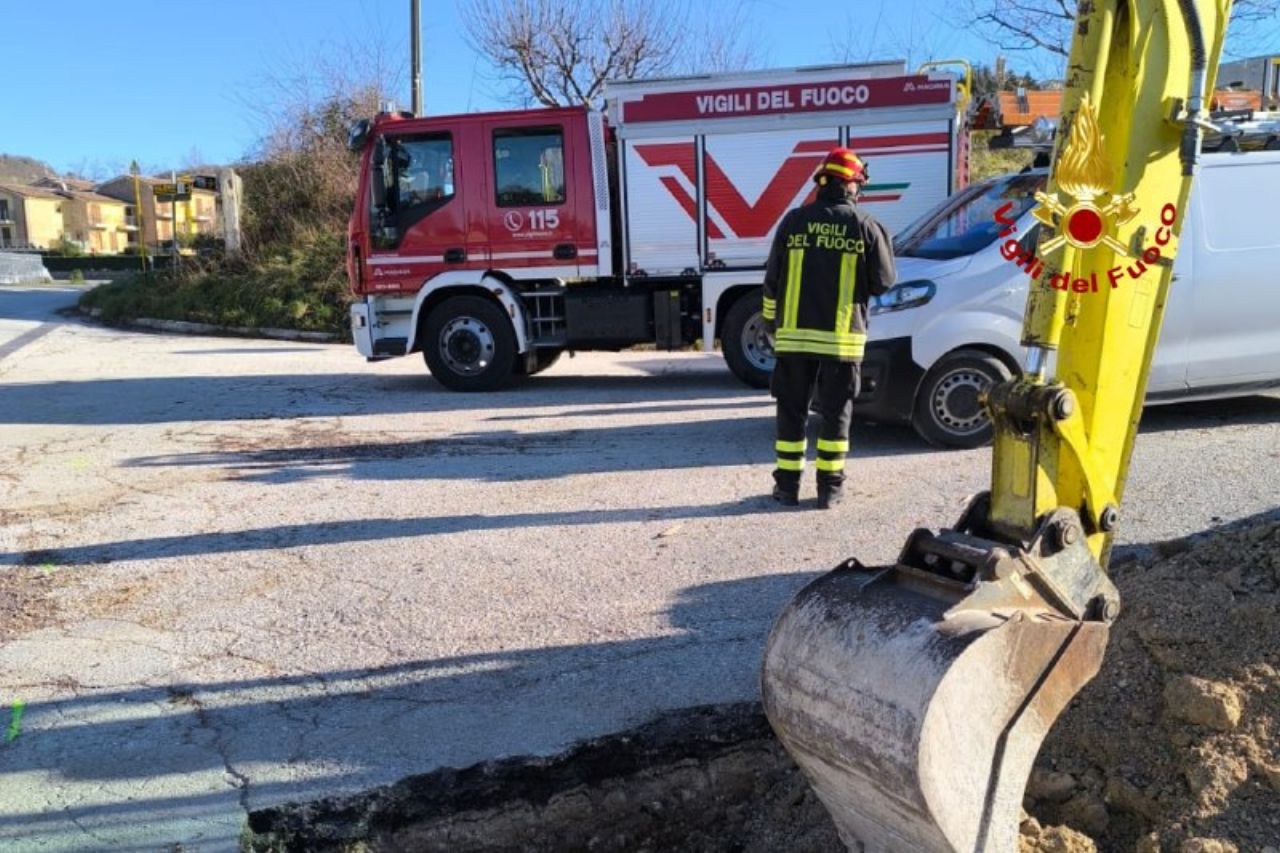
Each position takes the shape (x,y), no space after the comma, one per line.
(1174,748)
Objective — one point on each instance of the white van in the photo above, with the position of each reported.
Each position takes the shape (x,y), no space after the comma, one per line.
(952,326)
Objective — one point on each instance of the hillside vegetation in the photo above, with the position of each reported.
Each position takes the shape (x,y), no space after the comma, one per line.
(16,169)
(297,196)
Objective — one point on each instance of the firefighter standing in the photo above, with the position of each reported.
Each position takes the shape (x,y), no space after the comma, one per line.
(828,259)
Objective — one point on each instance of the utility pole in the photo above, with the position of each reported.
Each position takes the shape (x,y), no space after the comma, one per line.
(143,251)
(415,24)
(173,231)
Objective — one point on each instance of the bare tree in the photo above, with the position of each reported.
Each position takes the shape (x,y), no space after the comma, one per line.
(96,169)
(1044,26)
(720,41)
(914,38)
(561,52)
(299,179)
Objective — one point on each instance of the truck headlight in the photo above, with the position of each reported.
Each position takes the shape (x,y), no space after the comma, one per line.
(909,294)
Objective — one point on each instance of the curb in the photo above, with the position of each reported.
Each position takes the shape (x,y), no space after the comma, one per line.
(185,327)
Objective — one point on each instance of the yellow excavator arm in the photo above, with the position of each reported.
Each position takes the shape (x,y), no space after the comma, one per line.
(915,696)
(1137,83)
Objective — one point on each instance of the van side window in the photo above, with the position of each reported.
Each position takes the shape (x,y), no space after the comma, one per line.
(417,181)
(528,166)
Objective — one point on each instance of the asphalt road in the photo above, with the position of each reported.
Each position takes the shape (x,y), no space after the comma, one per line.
(236,572)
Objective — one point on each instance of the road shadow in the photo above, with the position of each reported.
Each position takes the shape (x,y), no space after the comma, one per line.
(370,530)
(507,455)
(169,399)
(356,728)
(1206,414)
(38,302)
(247,350)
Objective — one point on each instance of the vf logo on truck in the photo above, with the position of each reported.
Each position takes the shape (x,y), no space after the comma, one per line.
(785,189)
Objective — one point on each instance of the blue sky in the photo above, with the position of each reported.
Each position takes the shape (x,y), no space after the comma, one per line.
(92,85)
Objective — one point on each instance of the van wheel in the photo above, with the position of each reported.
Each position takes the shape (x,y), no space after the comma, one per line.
(746,346)
(469,345)
(948,409)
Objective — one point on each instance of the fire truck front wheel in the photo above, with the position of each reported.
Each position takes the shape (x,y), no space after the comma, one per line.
(469,345)
(747,348)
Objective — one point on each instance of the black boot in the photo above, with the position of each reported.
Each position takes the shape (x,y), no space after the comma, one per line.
(830,495)
(786,497)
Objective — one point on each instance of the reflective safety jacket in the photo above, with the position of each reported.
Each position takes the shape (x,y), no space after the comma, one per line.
(828,259)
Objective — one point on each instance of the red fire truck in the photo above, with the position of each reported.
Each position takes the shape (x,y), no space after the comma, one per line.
(493,242)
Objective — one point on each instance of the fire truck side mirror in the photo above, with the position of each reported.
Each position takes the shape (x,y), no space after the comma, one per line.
(378,175)
(358,135)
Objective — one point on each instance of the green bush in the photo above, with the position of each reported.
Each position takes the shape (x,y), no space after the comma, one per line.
(77,277)
(68,248)
(304,288)
(298,193)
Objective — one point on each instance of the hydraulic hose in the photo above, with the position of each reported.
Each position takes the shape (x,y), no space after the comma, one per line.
(1189,153)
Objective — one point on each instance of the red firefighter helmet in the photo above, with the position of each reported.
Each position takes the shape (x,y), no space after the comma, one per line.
(842,164)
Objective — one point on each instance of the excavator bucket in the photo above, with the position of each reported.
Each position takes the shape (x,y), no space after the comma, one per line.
(915,699)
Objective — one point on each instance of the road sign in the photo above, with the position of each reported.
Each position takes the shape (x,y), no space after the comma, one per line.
(172,191)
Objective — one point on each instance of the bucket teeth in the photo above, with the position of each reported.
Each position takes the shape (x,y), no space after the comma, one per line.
(917,720)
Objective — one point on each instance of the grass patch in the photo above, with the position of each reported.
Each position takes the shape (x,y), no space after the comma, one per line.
(302,288)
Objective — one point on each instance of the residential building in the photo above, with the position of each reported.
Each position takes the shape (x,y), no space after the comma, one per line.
(30,217)
(1023,107)
(1258,76)
(98,224)
(63,184)
(160,220)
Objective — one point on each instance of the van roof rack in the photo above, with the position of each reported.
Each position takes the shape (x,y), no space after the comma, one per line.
(1244,130)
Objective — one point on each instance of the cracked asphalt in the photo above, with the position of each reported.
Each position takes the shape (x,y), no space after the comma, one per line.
(235,573)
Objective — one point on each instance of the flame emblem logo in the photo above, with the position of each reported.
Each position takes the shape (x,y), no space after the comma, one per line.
(1084,174)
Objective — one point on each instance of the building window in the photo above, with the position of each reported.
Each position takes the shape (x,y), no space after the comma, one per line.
(528,166)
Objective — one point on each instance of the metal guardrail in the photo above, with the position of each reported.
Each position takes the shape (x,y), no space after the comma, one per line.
(17,268)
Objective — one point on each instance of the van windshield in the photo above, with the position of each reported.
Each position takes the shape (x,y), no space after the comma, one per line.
(965,223)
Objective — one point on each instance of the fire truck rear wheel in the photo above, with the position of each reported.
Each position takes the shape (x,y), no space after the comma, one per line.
(747,349)
(469,344)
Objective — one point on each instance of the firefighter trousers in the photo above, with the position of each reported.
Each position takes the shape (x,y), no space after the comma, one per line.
(798,383)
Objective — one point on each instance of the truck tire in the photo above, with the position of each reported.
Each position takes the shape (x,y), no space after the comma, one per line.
(469,345)
(746,348)
(947,408)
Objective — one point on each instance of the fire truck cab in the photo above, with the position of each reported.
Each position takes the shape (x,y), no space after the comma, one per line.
(493,242)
